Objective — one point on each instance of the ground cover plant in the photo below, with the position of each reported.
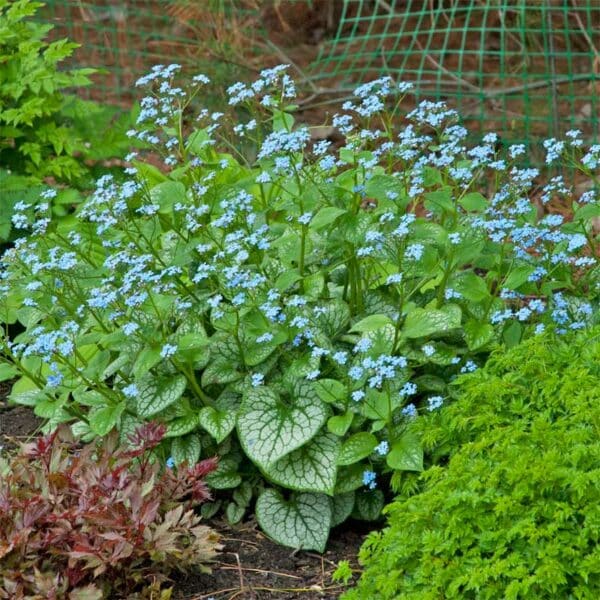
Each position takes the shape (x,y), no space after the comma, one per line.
(292,308)
(99,521)
(515,511)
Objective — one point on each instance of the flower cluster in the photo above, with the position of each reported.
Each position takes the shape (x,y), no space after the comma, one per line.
(314,295)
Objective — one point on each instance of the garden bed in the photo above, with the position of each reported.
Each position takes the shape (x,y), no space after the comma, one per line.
(250,566)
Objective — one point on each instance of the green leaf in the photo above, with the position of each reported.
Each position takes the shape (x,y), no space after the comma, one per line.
(406,453)
(586,212)
(148,357)
(333,318)
(380,185)
(269,427)
(349,478)
(477,334)
(102,420)
(234,513)
(167,194)
(243,494)
(518,276)
(287,279)
(7,371)
(331,390)
(422,322)
(357,447)
(182,425)
(89,398)
(186,448)
(325,217)
(311,468)
(341,507)
(340,423)
(368,505)
(474,202)
(225,477)
(439,201)
(302,522)
(512,334)
(314,285)
(219,372)
(25,392)
(218,423)
(472,287)
(156,393)
(372,323)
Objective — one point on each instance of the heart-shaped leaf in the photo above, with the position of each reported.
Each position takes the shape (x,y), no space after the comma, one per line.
(225,477)
(270,428)
(368,505)
(340,423)
(342,506)
(186,448)
(357,447)
(422,322)
(218,423)
(311,468)
(182,425)
(156,393)
(406,453)
(102,420)
(302,522)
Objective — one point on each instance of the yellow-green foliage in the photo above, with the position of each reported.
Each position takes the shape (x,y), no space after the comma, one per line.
(511,509)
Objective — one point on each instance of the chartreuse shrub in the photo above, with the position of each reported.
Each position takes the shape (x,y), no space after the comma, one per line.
(515,512)
(291,312)
(44,132)
(99,521)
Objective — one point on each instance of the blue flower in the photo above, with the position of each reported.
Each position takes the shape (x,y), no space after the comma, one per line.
(168,350)
(369,478)
(257,379)
(434,402)
(170,462)
(382,448)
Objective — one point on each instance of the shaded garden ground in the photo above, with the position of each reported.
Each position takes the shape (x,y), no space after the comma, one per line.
(250,567)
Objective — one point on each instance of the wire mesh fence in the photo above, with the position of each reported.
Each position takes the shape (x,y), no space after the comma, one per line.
(125,38)
(528,69)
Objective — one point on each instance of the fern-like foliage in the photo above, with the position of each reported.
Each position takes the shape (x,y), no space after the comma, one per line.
(511,506)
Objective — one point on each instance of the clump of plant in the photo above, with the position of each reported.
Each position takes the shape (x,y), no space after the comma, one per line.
(45,133)
(99,520)
(515,512)
(34,141)
(292,313)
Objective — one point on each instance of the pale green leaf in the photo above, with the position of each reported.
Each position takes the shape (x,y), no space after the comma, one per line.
(156,393)
(269,427)
(311,468)
(218,423)
(302,522)
(186,448)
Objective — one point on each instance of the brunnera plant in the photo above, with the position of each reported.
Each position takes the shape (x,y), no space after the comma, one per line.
(291,313)
(99,521)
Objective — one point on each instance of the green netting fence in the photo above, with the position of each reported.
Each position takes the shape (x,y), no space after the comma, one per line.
(527,69)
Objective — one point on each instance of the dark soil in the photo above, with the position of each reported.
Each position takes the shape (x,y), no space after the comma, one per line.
(17,423)
(250,567)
